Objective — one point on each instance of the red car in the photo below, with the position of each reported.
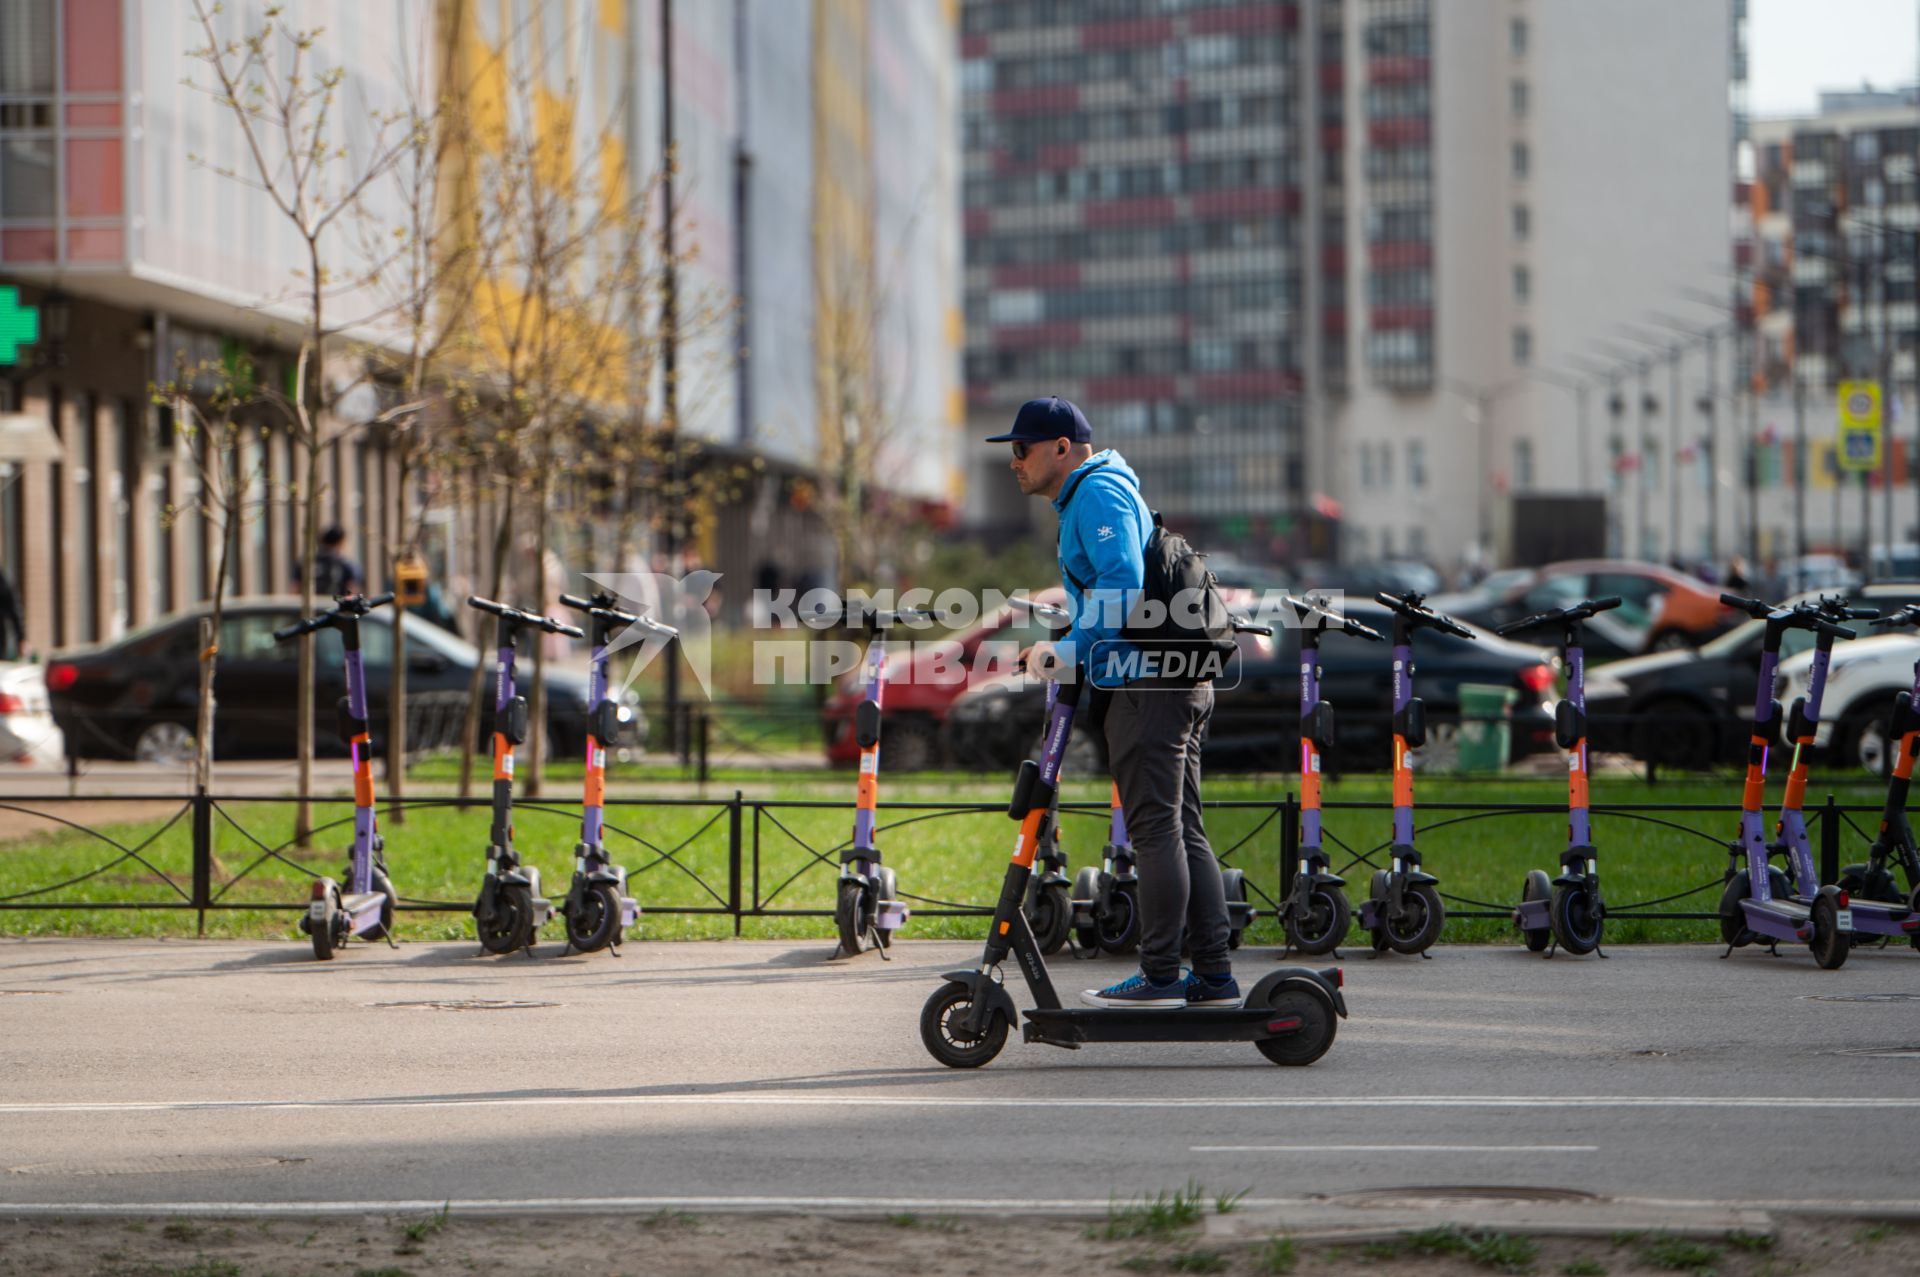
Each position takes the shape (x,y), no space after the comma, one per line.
(924,679)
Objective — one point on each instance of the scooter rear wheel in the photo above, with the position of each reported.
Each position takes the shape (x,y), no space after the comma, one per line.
(325,929)
(1830,943)
(595,920)
(507,932)
(1377,894)
(1050,914)
(849,917)
(1325,923)
(388,907)
(947,1041)
(1315,1034)
(1536,886)
(1419,926)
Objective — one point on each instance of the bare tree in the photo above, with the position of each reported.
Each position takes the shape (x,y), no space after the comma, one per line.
(286,106)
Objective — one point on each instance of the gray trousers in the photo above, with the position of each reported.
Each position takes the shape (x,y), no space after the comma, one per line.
(1154,733)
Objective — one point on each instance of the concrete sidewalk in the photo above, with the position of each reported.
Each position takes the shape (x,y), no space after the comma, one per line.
(1664,1088)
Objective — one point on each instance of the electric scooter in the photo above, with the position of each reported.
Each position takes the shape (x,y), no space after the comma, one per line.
(510,910)
(598,910)
(1758,902)
(1315,913)
(1868,918)
(1403,910)
(1894,843)
(1289,1015)
(1567,912)
(367,905)
(867,908)
(1049,908)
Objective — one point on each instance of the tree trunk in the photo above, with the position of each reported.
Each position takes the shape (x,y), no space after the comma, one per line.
(400,545)
(303,703)
(537,706)
(502,540)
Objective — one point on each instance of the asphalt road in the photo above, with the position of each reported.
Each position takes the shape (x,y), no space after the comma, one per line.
(752,1075)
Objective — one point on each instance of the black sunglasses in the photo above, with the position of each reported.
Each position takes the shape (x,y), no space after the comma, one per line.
(1021,449)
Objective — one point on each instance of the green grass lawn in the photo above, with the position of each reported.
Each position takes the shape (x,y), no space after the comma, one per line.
(436,855)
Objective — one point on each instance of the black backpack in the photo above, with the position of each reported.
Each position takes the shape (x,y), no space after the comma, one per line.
(1180,608)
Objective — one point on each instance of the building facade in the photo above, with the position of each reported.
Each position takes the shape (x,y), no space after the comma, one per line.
(1303,259)
(113,205)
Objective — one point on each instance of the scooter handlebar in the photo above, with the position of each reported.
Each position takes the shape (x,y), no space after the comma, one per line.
(533,620)
(1413,607)
(1752,607)
(1241,625)
(1578,612)
(1310,606)
(601,605)
(1908,615)
(353,604)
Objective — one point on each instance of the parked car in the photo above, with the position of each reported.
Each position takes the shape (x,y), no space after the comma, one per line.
(136,698)
(924,675)
(1862,678)
(1813,572)
(27,731)
(1256,722)
(1695,708)
(1661,610)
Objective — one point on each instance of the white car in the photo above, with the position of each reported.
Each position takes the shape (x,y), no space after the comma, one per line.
(27,732)
(1862,679)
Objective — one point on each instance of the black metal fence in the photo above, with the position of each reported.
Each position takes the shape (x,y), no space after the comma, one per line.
(742,858)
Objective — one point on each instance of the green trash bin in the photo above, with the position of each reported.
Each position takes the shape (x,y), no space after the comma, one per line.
(1485,735)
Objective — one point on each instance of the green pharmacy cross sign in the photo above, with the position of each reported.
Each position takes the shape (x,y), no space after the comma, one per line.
(19,326)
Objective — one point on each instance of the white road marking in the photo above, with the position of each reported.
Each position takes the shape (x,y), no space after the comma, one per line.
(764,1100)
(1394,1148)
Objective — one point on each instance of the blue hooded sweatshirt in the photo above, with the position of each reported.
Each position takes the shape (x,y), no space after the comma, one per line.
(1104,526)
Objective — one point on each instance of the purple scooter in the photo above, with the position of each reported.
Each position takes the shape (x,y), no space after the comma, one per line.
(510,910)
(366,907)
(598,909)
(1758,903)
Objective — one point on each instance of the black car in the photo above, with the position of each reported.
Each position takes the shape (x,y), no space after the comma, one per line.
(1695,708)
(136,698)
(1256,723)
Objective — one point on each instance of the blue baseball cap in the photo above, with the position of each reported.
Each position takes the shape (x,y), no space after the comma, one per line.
(1043,420)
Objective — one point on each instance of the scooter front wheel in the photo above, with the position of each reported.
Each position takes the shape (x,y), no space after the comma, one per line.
(849,917)
(1315,1034)
(1323,925)
(1420,921)
(325,928)
(1050,914)
(1537,887)
(594,922)
(508,930)
(1577,919)
(942,1028)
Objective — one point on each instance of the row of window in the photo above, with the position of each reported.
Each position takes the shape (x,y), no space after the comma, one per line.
(1278,418)
(1119,243)
(1376,465)
(1132,181)
(979,17)
(1263,354)
(1198,299)
(1398,101)
(1030,132)
(1171,60)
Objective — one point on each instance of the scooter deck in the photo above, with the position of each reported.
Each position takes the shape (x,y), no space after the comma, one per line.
(1072,1026)
(1780,919)
(363,909)
(1877,919)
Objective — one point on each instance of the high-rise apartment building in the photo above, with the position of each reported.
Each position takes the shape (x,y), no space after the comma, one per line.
(1341,273)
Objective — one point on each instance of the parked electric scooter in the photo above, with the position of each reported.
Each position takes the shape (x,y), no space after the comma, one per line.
(598,910)
(1403,910)
(1894,842)
(1289,1015)
(1048,906)
(510,910)
(1315,913)
(1868,918)
(366,907)
(1759,902)
(1567,912)
(867,908)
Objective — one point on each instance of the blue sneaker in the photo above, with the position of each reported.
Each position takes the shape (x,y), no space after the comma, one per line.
(1137,991)
(1212,990)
